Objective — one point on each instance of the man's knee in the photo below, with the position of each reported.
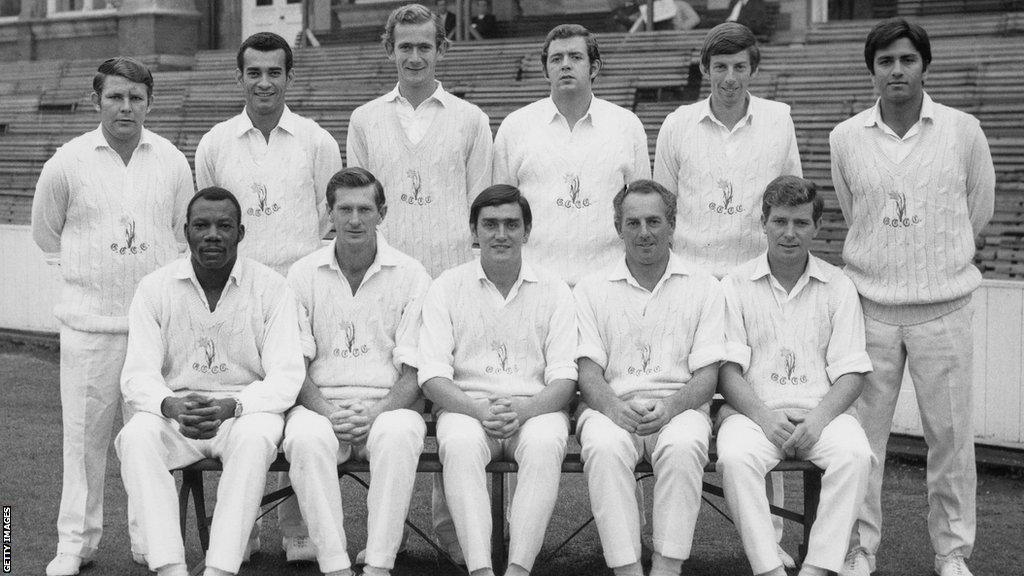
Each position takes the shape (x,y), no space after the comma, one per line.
(400,428)
(460,436)
(603,442)
(141,434)
(257,433)
(309,435)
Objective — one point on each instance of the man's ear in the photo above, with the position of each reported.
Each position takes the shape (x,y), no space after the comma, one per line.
(383,212)
(238,76)
(241,231)
(595,67)
(95,101)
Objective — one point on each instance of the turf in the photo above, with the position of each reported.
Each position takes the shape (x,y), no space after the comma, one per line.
(30,483)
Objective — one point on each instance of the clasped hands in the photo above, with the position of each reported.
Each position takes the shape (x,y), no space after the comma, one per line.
(641,417)
(793,431)
(352,421)
(500,417)
(199,416)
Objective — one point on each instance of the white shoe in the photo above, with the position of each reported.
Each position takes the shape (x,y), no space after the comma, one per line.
(787,560)
(952,565)
(402,547)
(252,546)
(66,564)
(856,564)
(298,549)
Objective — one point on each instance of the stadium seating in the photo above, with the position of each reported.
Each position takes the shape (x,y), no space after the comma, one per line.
(976,68)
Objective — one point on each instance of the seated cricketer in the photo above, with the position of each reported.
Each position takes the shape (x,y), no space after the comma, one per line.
(795,363)
(649,347)
(497,359)
(213,363)
(359,307)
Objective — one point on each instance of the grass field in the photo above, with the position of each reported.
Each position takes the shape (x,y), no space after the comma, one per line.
(30,478)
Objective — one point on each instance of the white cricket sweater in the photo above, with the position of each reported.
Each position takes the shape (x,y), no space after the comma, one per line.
(356,344)
(281,184)
(112,224)
(720,176)
(912,223)
(570,178)
(493,346)
(429,185)
(793,346)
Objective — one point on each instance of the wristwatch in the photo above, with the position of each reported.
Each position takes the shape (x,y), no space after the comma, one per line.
(238,408)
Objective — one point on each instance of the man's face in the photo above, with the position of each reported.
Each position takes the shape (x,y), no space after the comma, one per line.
(123,106)
(264,81)
(899,72)
(501,233)
(790,230)
(644,229)
(355,215)
(415,53)
(569,69)
(730,76)
(213,233)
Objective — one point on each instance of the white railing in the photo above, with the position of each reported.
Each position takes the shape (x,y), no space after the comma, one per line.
(29,288)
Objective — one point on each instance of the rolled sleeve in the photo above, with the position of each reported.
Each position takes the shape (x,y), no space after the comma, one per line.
(437,339)
(142,382)
(589,343)
(407,335)
(281,357)
(560,344)
(847,352)
(709,339)
(737,349)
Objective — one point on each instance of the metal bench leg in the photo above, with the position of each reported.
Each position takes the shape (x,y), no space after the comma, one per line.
(498,557)
(812,495)
(199,503)
(187,484)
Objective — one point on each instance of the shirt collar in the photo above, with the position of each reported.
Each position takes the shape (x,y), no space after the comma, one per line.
(875,117)
(813,269)
(439,94)
(286,122)
(705,112)
(183,270)
(551,113)
(526,273)
(386,256)
(98,140)
(676,267)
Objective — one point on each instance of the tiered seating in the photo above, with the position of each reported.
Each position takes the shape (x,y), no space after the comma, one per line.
(44,104)
(942,26)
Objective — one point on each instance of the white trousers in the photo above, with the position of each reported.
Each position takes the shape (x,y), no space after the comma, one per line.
(745,456)
(150,445)
(90,396)
(678,454)
(939,355)
(465,450)
(393,449)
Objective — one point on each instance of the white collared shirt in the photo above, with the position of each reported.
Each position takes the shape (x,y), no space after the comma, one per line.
(569,177)
(720,176)
(490,345)
(111,223)
(247,348)
(793,346)
(281,184)
(650,343)
(892,145)
(416,121)
(357,343)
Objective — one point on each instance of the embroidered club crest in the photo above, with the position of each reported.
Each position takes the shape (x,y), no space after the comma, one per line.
(504,365)
(263,207)
(901,220)
(350,349)
(416,198)
(788,376)
(131,244)
(206,349)
(574,200)
(726,207)
(644,367)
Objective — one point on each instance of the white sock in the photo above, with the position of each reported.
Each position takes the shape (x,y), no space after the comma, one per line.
(662,566)
(172,570)
(633,569)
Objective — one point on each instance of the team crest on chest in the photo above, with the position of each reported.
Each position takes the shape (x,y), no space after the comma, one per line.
(727,206)
(504,364)
(350,348)
(574,200)
(417,198)
(901,219)
(206,350)
(787,375)
(263,207)
(643,367)
(131,244)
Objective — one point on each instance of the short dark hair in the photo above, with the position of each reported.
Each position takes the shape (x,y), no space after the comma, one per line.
(355,177)
(730,38)
(564,31)
(888,31)
(128,68)
(265,42)
(646,187)
(497,195)
(791,191)
(214,194)
(413,14)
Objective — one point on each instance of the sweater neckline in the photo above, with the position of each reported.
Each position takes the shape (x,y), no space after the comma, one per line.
(406,142)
